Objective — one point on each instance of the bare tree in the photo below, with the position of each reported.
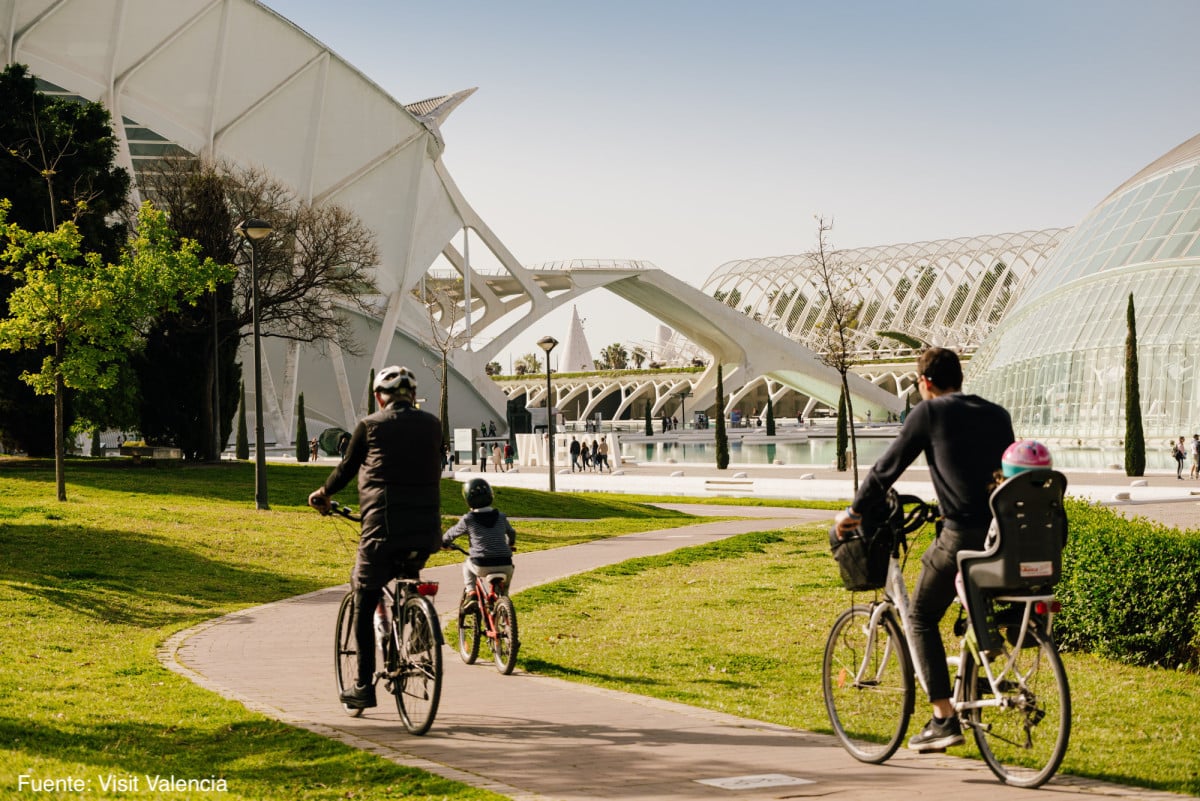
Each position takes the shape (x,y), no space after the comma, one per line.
(445,336)
(841,284)
(316,263)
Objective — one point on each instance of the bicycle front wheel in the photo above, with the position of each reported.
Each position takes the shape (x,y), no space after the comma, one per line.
(868,684)
(468,629)
(418,682)
(505,644)
(1023,738)
(345,652)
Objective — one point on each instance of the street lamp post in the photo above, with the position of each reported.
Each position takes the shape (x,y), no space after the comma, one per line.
(683,394)
(547,344)
(253,230)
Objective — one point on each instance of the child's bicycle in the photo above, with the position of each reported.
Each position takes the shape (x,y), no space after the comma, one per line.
(410,647)
(488,611)
(1015,700)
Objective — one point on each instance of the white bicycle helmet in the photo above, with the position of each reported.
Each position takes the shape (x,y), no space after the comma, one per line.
(395,379)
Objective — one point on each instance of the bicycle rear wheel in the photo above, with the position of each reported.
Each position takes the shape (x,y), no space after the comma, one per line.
(506,644)
(468,629)
(868,691)
(1024,739)
(345,651)
(418,682)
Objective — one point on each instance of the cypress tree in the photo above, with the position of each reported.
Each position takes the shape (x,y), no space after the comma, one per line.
(843,436)
(242,448)
(371,393)
(721,436)
(649,424)
(770,417)
(302,451)
(1135,441)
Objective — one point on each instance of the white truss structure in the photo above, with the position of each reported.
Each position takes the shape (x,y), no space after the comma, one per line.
(949,292)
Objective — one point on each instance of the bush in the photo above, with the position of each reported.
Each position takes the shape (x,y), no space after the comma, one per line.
(1130,589)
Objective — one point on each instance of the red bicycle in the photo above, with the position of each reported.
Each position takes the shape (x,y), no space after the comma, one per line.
(488,610)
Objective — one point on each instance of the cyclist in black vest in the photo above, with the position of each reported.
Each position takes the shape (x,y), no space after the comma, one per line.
(963,438)
(396,454)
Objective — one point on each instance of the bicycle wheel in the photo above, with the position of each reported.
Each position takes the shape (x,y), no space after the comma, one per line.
(506,644)
(868,693)
(345,651)
(468,629)
(418,683)
(1024,739)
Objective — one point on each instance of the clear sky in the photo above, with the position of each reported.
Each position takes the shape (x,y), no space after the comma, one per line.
(689,133)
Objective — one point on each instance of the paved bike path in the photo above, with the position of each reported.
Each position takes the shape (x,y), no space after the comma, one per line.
(534,738)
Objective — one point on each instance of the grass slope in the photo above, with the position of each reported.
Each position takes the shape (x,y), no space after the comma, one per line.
(89,588)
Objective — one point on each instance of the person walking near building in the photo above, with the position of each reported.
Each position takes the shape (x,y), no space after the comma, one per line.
(483,457)
(1179,452)
(602,455)
(497,457)
(575,456)
(1195,456)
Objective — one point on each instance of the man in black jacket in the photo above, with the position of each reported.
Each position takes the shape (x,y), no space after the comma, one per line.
(396,454)
(963,438)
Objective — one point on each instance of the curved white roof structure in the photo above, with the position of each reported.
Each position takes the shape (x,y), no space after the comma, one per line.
(1057,361)
(948,292)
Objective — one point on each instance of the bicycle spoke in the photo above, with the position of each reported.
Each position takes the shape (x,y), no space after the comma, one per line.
(1023,736)
(868,685)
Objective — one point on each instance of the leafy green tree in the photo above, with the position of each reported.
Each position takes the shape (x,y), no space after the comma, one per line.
(302,451)
(529,364)
(242,448)
(638,354)
(54,154)
(613,357)
(722,437)
(88,314)
(770,417)
(1135,440)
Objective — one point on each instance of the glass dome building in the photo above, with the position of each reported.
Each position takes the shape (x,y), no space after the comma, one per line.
(1057,359)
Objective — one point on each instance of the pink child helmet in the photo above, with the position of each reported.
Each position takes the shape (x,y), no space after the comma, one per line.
(1025,454)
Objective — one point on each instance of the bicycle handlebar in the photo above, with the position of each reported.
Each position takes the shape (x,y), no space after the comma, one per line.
(344,511)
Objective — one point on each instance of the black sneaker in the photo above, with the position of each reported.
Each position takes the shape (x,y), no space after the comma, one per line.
(937,736)
(361,697)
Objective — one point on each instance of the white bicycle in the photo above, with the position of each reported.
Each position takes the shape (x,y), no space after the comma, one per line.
(1015,699)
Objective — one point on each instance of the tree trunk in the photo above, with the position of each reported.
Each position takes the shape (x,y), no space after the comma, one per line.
(60,443)
(850,429)
(444,401)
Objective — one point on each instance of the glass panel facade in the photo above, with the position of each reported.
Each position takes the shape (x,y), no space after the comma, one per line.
(1057,362)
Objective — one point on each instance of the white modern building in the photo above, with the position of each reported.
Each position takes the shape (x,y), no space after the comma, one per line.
(1042,311)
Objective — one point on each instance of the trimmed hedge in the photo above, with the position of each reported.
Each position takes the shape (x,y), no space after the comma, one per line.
(1130,589)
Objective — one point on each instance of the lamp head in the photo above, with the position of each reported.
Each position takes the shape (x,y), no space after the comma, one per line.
(547,343)
(253,228)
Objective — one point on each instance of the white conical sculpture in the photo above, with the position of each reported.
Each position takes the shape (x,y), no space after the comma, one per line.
(576,355)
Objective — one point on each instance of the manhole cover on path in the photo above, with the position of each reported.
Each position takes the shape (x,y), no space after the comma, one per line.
(754,782)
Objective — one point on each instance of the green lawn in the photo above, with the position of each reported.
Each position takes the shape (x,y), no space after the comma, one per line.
(740,625)
(89,588)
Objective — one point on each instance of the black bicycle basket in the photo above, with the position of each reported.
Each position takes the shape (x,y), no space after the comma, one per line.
(862,557)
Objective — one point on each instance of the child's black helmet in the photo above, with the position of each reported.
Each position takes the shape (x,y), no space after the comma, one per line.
(477,493)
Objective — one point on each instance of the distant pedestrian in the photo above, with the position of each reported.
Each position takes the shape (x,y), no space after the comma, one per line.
(575,452)
(508,456)
(585,454)
(491,428)
(312,449)
(497,457)
(483,457)
(1195,456)
(602,456)
(1179,452)
(343,443)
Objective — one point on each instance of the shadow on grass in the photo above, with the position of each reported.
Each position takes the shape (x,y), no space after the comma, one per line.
(285,762)
(127,578)
(555,669)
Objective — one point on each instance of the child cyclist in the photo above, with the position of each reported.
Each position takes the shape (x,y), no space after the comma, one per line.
(489,533)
